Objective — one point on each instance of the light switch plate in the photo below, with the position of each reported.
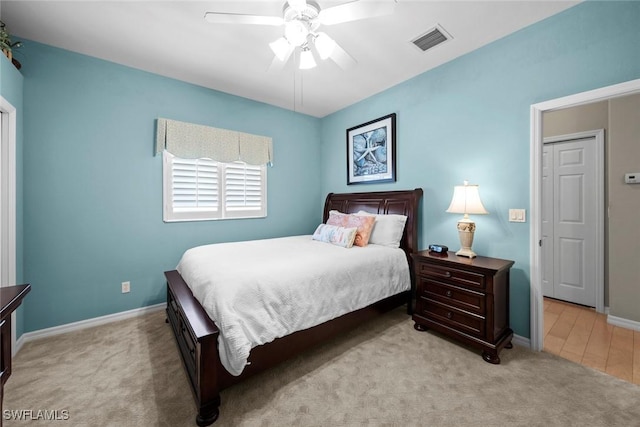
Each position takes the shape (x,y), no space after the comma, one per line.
(517,215)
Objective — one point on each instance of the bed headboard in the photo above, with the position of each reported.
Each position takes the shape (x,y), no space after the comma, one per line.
(404,202)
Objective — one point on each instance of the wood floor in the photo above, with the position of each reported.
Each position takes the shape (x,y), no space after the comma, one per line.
(580,334)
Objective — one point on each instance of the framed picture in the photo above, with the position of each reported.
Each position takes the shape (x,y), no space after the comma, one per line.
(371,151)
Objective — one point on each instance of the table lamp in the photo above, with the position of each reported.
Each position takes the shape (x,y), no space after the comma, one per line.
(466,200)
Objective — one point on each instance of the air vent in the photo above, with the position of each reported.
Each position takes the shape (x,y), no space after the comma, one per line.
(431,38)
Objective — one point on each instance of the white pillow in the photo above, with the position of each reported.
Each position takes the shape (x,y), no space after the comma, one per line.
(387,229)
(335,235)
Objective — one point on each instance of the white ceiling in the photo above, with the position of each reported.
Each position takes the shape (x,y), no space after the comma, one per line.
(172,39)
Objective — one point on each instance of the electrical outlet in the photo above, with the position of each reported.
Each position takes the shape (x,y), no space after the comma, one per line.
(126,287)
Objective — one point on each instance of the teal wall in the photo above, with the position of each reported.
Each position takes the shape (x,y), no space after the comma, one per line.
(11,87)
(470,119)
(93,187)
(92,214)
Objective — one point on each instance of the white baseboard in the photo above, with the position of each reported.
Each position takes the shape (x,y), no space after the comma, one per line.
(521,341)
(89,323)
(625,323)
(16,348)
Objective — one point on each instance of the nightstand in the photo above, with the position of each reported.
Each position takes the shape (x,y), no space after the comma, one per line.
(466,299)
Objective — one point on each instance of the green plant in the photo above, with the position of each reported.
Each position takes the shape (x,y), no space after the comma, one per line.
(6,45)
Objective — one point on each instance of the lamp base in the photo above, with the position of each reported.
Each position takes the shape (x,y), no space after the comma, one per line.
(466,252)
(466,229)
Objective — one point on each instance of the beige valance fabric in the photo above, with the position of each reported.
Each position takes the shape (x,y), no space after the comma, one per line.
(191,141)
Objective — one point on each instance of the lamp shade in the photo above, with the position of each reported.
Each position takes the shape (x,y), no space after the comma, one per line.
(466,200)
(296,32)
(306,60)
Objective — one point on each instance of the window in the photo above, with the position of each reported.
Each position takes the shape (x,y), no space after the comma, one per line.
(227,179)
(203,189)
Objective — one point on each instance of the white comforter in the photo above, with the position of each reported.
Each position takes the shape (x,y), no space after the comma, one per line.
(260,290)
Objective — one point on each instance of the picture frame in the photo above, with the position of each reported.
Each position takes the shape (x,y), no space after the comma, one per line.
(371,151)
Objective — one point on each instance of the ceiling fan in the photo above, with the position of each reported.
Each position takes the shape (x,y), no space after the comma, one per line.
(301,20)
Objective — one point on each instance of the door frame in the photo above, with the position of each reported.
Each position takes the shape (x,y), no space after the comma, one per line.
(535,155)
(8,194)
(8,201)
(598,136)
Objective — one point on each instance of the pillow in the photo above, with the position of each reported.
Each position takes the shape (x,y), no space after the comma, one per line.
(364,224)
(335,235)
(387,229)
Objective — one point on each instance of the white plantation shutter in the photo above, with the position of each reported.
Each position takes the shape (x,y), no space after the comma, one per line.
(194,185)
(243,188)
(203,189)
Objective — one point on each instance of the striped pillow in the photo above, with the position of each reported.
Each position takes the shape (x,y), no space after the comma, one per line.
(335,235)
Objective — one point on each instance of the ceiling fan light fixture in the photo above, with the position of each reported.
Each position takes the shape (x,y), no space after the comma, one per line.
(296,32)
(280,48)
(306,59)
(325,45)
(301,20)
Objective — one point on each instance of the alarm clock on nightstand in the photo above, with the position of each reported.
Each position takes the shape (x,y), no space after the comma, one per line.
(439,249)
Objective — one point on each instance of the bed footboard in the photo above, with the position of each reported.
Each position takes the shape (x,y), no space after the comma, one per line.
(197,339)
(197,336)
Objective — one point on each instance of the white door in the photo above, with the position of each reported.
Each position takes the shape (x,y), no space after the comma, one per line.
(572,219)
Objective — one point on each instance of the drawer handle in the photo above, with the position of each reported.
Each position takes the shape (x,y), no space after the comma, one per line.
(449,294)
(447,274)
(449,315)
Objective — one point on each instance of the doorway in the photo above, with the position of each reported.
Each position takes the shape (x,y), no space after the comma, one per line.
(573,218)
(537,110)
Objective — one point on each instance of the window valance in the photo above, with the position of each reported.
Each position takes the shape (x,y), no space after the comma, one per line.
(192,141)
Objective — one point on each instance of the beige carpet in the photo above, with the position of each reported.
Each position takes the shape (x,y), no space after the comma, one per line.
(385,373)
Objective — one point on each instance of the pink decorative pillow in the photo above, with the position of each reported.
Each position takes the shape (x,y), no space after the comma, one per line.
(364,224)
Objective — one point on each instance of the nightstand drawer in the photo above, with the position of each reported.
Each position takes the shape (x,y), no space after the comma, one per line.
(451,316)
(452,295)
(452,275)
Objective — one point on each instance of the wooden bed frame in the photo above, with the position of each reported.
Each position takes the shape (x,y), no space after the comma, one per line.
(197,335)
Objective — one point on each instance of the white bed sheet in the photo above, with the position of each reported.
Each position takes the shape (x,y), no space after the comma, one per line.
(259,290)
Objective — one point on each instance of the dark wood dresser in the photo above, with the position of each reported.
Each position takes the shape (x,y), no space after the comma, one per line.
(464,298)
(10,298)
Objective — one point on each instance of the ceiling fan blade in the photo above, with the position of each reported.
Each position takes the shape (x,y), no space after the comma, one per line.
(355,10)
(239,18)
(277,64)
(342,58)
